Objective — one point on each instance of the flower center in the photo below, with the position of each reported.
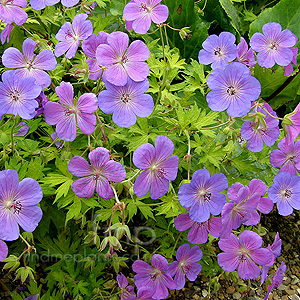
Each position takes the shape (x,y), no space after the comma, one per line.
(6,1)
(14,206)
(159,172)
(287,193)
(273,46)
(155,275)
(207,196)
(97,175)
(218,51)
(69,111)
(143,7)
(124,59)
(231,90)
(14,95)
(125,98)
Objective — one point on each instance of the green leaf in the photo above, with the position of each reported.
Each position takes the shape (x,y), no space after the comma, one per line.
(74,209)
(232,14)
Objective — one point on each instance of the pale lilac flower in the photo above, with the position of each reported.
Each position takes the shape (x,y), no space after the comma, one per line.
(291,124)
(218,50)
(66,114)
(273,46)
(159,167)
(245,55)
(33,297)
(275,248)
(140,13)
(261,129)
(18,204)
(71,35)
(199,230)
(42,99)
(277,279)
(126,102)
(288,156)
(69,3)
(144,293)
(3,250)
(5,34)
(59,143)
(233,89)
(30,64)
(95,175)
(288,70)
(286,193)
(122,61)
(243,254)
(40,4)
(89,47)
(203,195)
(17,96)
(11,11)
(154,276)
(127,290)
(186,264)
(22,130)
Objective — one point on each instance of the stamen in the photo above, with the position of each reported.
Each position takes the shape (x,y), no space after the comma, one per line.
(207,196)
(288,193)
(231,90)
(218,51)
(125,98)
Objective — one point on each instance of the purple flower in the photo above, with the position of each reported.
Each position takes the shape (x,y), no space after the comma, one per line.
(275,248)
(89,47)
(127,290)
(288,155)
(71,35)
(285,192)
(261,129)
(97,175)
(144,293)
(199,231)
(273,46)
(243,254)
(3,251)
(203,195)
(218,50)
(41,100)
(159,167)
(34,297)
(5,34)
(40,4)
(69,3)
(17,96)
(140,13)
(277,279)
(18,204)
(288,70)
(126,102)
(233,89)
(66,114)
(291,124)
(186,264)
(122,60)
(154,276)
(244,55)
(11,12)
(30,64)
(58,144)
(23,129)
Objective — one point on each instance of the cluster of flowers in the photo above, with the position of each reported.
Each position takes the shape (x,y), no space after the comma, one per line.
(18,206)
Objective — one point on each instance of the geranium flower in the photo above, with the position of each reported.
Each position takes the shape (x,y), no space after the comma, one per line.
(291,125)
(67,114)
(126,102)
(259,131)
(122,60)
(218,50)
(288,155)
(3,250)
(233,89)
(22,130)
(203,195)
(97,175)
(5,33)
(127,290)
(42,99)
(33,297)
(243,254)
(277,279)
(245,55)
(288,70)
(139,14)
(154,276)
(186,264)
(71,35)
(17,96)
(40,4)
(18,204)
(59,143)
(11,11)
(30,64)
(89,47)
(285,192)
(199,230)
(159,167)
(273,46)
(144,293)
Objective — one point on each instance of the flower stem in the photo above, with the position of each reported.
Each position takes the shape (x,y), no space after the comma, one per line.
(270,114)
(162,43)
(12,136)
(50,144)
(115,193)
(131,177)
(213,127)
(6,122)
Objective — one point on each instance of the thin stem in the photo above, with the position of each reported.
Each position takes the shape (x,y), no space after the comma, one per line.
(28,245)
(163,44)
(115,193)
(6,122)
(131,177)
(26,30)
(270,114)
(50,144)
(166,34)
(213,127)
(12,136)
(153,31)
(5,287)
(175,245)
(172,27)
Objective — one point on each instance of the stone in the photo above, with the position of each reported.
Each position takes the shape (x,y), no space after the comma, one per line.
(236,295)
(295,297)
(295,280)
(204,293)
(230,290)
(282,287)
(290,292)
